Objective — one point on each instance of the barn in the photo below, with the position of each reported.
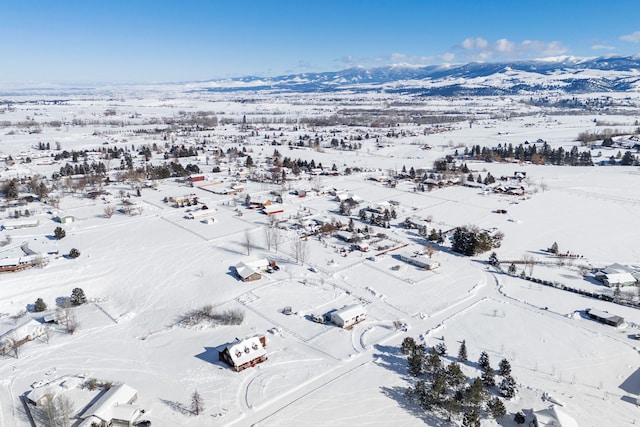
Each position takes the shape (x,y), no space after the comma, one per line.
(272,209)
(242,354)
(348,316)
(604,317)
(419,260)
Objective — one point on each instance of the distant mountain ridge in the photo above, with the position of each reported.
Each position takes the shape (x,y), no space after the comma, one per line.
(562,75)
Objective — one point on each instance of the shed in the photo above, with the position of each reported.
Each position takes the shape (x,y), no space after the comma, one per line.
(272,209)
(242,354)
(348,316)
(419,260)
(604,317)
(67,219)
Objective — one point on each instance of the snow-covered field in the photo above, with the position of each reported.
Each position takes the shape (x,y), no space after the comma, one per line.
(142,272)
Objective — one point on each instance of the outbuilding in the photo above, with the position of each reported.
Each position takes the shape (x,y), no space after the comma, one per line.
(604,317)
(419,260)
(348,316)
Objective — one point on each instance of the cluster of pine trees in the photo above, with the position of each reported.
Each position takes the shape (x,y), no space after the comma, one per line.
(470,240)
(444,390)
(82,169)
(540,153)
(171,169)
(181,151)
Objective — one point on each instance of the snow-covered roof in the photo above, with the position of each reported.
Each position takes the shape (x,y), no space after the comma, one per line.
(10,262)
(245,351)
(117,395)
(617,268)
(273,208)
(245,271)
(349,312)
(22,329)
(554,416)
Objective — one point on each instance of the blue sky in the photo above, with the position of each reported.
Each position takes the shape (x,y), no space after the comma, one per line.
(141,41)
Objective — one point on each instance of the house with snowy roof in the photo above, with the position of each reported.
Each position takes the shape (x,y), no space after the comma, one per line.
(114,408)
(348,316)
(24,331)
(248,271)
(242,354)
(616,275)
(553,416)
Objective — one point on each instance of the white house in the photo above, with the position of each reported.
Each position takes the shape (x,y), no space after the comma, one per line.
(349,315)
(24,331)
(419,260)
(16,225)
(616,275)
(114,408)
(553,416)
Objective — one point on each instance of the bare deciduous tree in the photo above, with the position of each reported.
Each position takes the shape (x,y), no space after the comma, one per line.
(529,261)
(109,211)
(300,250)
(268,236)
(276,237)
(248,241)
(429,250)
(14,344)
(64,410)
(65,315)
(196,403)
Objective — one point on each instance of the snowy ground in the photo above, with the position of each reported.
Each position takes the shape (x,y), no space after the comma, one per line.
(142,272)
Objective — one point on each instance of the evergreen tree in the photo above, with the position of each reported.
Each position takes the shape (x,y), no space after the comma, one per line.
(78,297)
(508,387)
(628,159)
(496,408)
(451,406)
(462,353)
(441,349)
(519,418)
(433,363)
(483,361)
(475,393)
(504,368)
(416,361)
(512,269)
(39,305)
(59,233)
(11,190)
(554,248)
(471,419)
(488,378)
(74,253)
(408,345)
(455,377)
(493,260)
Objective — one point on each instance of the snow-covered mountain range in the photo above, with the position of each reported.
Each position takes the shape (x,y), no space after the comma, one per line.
(552,75)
